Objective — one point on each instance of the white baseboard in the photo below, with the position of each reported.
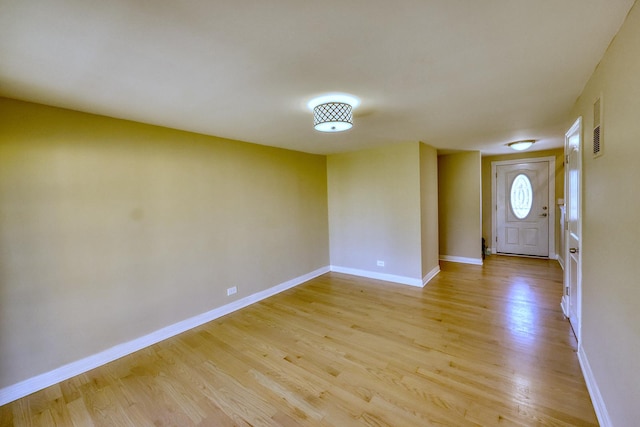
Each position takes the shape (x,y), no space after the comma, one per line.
(564,304)
(39,382)
(378,276)
(463,260)
(560,261)
(430,275)
(594,391)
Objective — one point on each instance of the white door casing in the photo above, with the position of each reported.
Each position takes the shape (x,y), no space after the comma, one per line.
(572,298)
(522,232)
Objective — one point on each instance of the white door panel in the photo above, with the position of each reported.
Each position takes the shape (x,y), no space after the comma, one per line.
(573,265)
(522,218)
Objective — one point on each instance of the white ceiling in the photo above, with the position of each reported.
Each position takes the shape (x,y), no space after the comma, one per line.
(457,74)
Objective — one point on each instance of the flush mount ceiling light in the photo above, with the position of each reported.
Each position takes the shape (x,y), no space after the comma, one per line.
(333,112)
(521,145)
(333,117)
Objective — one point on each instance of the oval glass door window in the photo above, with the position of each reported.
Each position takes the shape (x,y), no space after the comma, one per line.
(521,196)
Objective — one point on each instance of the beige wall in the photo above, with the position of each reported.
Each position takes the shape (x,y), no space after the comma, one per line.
(487,213)
(610,228)
(429,208)
(459,201)
(374,210)
(110,230)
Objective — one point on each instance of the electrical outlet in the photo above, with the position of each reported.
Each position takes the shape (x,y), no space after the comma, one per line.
(232,291)
(380,263)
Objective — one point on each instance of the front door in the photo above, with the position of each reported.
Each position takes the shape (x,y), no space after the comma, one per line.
(573,270)
(523,210)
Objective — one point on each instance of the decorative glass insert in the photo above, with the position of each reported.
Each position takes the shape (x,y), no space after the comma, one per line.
(521,196)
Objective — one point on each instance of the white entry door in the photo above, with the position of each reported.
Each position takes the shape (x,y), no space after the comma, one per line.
(573,257)
(523,210)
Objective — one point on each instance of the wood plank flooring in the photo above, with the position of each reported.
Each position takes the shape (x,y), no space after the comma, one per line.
(478,346)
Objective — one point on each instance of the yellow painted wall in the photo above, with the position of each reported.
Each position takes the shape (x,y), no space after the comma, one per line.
(487,213)
(459,201)
(610,228)
(429,207)
(110,230)
(374,209)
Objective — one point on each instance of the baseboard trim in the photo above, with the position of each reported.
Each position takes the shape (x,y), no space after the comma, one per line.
(564,304)
(463,260)
(594,391)
(378,276)
(47,379)
(430,275)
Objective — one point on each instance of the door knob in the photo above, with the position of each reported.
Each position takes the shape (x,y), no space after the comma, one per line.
(573,250)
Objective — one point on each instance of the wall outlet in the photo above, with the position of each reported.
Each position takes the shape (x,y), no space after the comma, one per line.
(232,291)
(380,263)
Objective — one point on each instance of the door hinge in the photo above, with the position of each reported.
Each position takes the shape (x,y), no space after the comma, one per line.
(496,238)
(566,159)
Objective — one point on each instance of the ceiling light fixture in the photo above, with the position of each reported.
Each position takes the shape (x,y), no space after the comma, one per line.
(521,145)
(333,112)
(333,117)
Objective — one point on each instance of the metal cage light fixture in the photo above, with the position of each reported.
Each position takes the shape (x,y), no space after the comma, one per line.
(333,117)
(333,112)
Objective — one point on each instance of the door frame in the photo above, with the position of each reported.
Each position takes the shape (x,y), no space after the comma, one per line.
(575,129)
(551,203)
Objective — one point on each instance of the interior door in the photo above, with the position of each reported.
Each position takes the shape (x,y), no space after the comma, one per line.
(573,256)
(522,218)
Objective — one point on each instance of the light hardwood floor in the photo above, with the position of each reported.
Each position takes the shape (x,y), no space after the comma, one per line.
(477,346)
